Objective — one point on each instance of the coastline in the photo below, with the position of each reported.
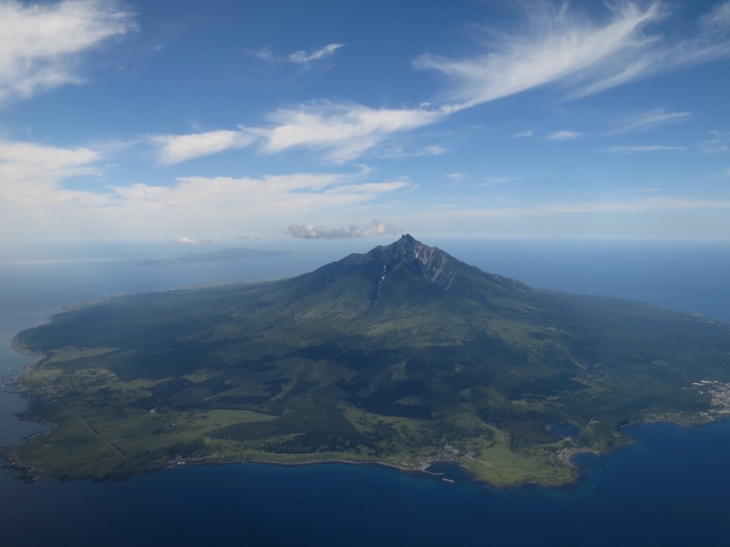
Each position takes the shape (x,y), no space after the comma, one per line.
(16,346)
(32,473)
(28,472)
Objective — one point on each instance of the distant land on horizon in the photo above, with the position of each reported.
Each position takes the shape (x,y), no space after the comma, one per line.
(403,356)
(236,253)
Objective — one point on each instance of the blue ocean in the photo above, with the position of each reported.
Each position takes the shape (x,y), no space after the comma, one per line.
(670,487)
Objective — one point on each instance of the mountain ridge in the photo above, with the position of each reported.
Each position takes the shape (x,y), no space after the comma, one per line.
(402,274)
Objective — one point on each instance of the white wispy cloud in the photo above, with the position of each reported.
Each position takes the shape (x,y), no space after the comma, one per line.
(646,120)
(595,207)
(432,150)
(371,188)
(491,181)
(342,132)
(714,146)
(305,57)
(400,152)
(34,193)
(30,173)
(640,149)
(266,54)
(178,148)
(635,217)
(199,204)
(312,231)
(557,45)
(641,190)
(717,21)
(560,45)
(40,44)
(564,135)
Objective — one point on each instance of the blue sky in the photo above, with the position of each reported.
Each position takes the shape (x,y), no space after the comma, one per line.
(200,121)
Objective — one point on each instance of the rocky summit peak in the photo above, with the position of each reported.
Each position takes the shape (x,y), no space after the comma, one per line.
(432,263)
(407,245)
(408,269)
(407,239)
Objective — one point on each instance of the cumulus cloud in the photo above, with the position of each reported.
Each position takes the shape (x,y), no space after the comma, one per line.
(187,241)
(639,149)
(311,231)
(564,135)
(40,43)
(559,45)
(305,57)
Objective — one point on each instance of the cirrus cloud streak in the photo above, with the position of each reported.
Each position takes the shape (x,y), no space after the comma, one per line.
(560,45)
(639,149)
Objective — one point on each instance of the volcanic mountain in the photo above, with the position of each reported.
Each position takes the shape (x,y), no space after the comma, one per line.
(401,355)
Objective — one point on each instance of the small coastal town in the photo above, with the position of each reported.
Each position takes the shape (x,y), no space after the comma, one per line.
(719,393)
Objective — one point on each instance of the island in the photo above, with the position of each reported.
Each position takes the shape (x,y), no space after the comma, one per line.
(403,356)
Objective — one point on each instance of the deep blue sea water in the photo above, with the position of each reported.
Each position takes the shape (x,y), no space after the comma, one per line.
(671,487)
